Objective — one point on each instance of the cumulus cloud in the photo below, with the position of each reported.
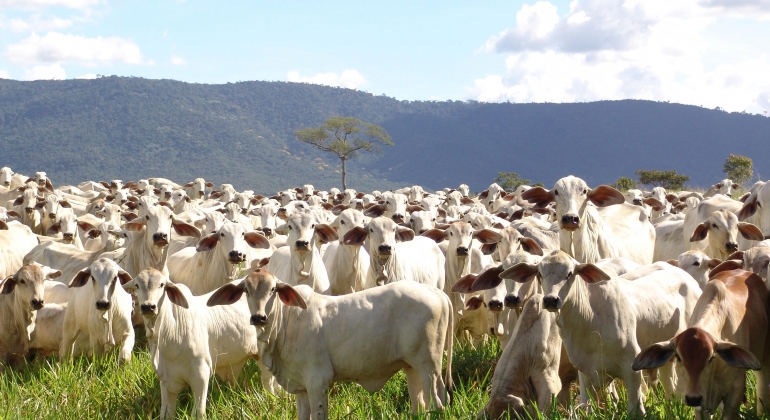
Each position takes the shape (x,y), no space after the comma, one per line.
(178,61)
(87,76)
(4,75)
(53,72)
(350,79)
(33,4)
(38,24)
(55,47)
(639,49)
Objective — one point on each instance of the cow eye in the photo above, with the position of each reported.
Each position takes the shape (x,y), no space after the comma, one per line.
(147,217)
(714,225)
(162,285)
(696,263)
(222,234)
(312,226)
(243,234)
(451,234)
(289,227)
(115,278)
(21,281)
(342,222)
(272,290)
(555,192)
(585,191)
(371,230)
(569,274)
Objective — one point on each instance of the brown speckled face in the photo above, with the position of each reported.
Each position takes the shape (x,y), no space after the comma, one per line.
(695,349)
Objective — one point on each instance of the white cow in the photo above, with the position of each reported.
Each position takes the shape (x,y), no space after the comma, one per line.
(16,240)
(605,320)
(190,341)
(611,229)
(726,187)
(21,295)
(721,230)
(100,313)
(346,265)
(309,341)
(395,254)
(697,264)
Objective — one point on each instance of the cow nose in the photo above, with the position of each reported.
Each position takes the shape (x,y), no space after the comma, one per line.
(384,248)
(422,231)
(37,303)
(693,400)
(495,305)
(102,305)
(267,231)
(157,237)
(551,302)
(51,216)
(236,256)
(68,235)
(147,308)
(258,319)
(511,301)
(29,209)
(570,220)
(731,246)
(302,244)
(637,202)
(461,250)
(398,218)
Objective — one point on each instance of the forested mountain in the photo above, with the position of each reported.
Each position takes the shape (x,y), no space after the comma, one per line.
(124,127)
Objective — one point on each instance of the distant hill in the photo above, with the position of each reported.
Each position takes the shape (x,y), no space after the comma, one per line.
(127,128)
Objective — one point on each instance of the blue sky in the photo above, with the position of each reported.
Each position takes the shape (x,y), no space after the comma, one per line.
(702,52)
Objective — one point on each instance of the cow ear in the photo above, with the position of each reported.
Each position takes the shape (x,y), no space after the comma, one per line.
(654,356)
(189,184)
(48,185)
(404,234)
(474,303)
(488,279)
(465,284)
(604,195)
(591,274)
(529,245)
(736,356)
(208,242)
(442,213)
(12,213)
(185,229)
(227,294)
(94,233)
(255,240)
(488,249)
(484,194)
(124,277)
(339,208)
(134,226)
(104,184)
(289,296)
(737,255)
(517,215)
(129,216)
(437,235)
(654,203)
(539,196)
(726,266)
(744,197)
(486,236)
(209,184)
(750,232)
(672,198)
(110,198)
(355,236)
(81,278)
(166,204)
(256,264)
(8,286)
(675,263)
(131,286)
(18,201)
(3,225)
(176,296)
(326,233)
(375,211)
(413,208)
(714,262)
(748,209)
(66,204)
(521,272)
(54,229)
(85,226)
(50,273)
(701,232)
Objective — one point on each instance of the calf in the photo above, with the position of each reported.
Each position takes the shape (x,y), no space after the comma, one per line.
(346,265)
(729,321)
(721,228)
(101,313)
(21,296)
(309,341)
(190,341)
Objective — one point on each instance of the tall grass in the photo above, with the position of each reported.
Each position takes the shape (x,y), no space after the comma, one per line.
(102,389)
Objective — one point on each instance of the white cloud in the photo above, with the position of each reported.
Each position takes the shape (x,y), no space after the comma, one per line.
(55,47)
(4,75)
(37,24)
(34,4)
(350,79)
(87,76)
(639,49)
(178,61)
(55,72)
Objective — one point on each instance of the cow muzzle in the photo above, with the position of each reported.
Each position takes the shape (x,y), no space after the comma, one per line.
(637,202)
(384,250)
(258,320)
(148,309)
(512,301)
(462,251)
(552,303)
(267,231)
(37,304)
(570,222)
(236,257)
(731,246)
(6,183)
(693,400)
(29,209)
(301,245)
(102,305)
(398,218)
(52,216)
(67,238)
(495,306)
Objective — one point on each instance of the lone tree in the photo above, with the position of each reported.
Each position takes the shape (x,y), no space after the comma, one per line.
(739,168)
(624,183)
(669,180)
(510,180)
(345,137)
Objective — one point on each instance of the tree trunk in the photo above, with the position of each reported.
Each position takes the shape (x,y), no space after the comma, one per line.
(344,184)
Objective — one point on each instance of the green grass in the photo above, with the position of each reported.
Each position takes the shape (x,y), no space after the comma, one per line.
(103,389)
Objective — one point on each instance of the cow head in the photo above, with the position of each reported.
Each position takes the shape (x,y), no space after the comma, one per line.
(232,240)
(721,229)
(105,275)
(28,285)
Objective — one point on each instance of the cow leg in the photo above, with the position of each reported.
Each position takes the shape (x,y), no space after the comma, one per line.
(667,376)
(583,382)
(547,387)
(168,399)
(199,384)
(126,348)
(732,403)
(430,380)
(303,406)
(416,394)
(763,390)
(68,336)
(268,380)
(633,381)
(318,396)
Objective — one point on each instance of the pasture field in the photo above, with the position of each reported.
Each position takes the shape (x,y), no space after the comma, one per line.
(101,389)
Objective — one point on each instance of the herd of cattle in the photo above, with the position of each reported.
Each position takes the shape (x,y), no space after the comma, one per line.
(579,284)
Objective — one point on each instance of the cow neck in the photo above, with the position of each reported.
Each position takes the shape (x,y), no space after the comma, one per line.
(20,324)
(710,315)
(271,346)
(576,310)
(585,241)
(348,268)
